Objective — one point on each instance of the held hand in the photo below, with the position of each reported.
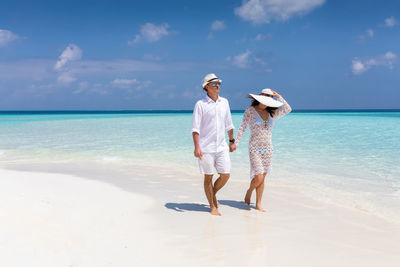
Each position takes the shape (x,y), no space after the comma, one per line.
(198,153)
(232,147)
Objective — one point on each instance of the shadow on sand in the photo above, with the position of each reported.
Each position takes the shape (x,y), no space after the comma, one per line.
(235,204)
(181,207)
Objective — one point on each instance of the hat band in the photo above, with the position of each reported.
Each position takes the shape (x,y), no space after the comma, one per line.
(212,80)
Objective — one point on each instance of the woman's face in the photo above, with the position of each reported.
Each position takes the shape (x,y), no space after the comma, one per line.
(262,106)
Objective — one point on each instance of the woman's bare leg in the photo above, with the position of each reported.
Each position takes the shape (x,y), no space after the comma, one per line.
(259,193)
(255,182)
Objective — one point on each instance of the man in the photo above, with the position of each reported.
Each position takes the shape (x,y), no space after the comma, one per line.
(211,118)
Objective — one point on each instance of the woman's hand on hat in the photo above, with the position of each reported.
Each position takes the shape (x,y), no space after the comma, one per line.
(275,93)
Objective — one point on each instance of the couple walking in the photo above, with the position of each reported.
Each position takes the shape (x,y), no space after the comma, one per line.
(212,117)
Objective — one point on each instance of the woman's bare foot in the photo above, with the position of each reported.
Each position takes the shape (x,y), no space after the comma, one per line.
(247,197)
(216,203)
(214,211)
(260,209)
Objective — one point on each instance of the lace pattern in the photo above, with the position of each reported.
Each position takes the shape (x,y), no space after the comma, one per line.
(260,143)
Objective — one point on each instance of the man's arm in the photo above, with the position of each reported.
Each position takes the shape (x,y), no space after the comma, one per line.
(232,145)
(230,134)
(196,121)
(197,150)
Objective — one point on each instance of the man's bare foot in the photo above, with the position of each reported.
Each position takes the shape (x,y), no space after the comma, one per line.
(247,197)
(260,209)
(216,203)
(215,212)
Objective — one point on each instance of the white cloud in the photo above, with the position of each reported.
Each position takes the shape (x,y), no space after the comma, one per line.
(71,53)
(65,78)
(218,25)
(193,93)
(7,37)
(370,32)
(150,32)
(262,37)
(26,70)
(116,67)
(151,57)
(260,62)
(242,60)
(249,59)
(98,88)
(390,56)
(390,22)
(82,86)
(35,70)
(130,84)
(359,66)
(263,11)
(124,83)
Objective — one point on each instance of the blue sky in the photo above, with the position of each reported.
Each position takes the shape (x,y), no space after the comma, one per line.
(319,54)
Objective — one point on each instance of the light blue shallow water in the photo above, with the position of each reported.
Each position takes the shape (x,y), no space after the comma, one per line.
(350,159)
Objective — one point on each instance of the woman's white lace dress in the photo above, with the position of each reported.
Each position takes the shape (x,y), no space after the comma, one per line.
(260,143)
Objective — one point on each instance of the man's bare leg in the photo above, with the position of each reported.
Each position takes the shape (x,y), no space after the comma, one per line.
(218,184)
(255,182)
(259,193)
(209,190)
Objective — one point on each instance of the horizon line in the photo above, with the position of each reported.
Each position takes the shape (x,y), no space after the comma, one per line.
(123,111)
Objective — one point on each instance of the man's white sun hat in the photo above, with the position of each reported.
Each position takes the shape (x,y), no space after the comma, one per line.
(211,77)
(267,100)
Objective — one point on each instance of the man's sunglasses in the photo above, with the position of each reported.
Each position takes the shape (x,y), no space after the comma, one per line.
(215,83)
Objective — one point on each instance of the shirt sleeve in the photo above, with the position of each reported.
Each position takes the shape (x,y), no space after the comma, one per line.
(228,119)
(245,122)
(282,110)
(196,118)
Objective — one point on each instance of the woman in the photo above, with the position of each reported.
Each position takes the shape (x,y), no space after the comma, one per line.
(261,117)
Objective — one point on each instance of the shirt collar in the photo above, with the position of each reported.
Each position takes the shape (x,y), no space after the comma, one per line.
(208,99)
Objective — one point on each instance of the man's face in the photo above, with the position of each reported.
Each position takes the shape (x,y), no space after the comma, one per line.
(213,87)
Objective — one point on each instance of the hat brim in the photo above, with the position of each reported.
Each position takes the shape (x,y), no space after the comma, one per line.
(212,80)
(266,100)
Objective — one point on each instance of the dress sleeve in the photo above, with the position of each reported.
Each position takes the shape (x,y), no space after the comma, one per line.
(196,118)
(282,110)
(245,122)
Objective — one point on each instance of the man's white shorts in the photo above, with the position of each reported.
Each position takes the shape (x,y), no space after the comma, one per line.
(220,160)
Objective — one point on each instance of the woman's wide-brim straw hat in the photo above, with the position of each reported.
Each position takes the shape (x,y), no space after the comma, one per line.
(266,100)
(211,77)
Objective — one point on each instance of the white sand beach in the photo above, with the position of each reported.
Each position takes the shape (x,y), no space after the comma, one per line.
(104,217)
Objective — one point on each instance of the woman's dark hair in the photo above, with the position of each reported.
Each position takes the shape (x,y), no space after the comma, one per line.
(270,110)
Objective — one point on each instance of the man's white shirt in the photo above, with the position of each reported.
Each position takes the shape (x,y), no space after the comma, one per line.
(211,120)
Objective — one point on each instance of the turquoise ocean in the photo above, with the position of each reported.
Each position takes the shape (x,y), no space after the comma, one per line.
(346,158)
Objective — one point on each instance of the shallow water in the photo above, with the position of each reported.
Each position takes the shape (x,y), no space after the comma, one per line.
(348,158)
